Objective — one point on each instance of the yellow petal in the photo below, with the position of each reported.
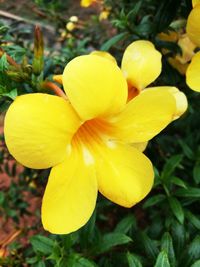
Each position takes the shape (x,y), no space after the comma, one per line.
(125,175)
(195,2)
(179,97)
(38,128)
(193,73)
(70,26)
(140,146)
(104,54)
(104,15)
(193,25)
(141,64)
(70,195)
(144,116)
(86,3)
(95,86)
(170,36)
(176,64)
(187,47)
(58,78)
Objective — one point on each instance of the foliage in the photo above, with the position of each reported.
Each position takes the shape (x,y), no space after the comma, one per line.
(163,230)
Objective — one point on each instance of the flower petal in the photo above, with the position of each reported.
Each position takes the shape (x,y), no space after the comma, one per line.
(70,195)
(193,25)
(38,128)
(141,64)
(180,98)
(140,146)
(95,86)
(144,116)
(104,54)
(125,175)
(192,73)
(58,78)
(195,2)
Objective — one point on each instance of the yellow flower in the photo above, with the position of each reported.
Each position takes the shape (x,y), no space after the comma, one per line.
(179,62)
(73,19)
(193,31)
(70,26)
(104,15)
(89,139)
(87,3)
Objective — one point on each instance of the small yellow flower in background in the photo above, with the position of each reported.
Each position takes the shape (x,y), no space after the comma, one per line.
(93,141)
(70,26)
(57,78)
(104,14)
(179,62)
(87,3)
(73,19)
(193,31)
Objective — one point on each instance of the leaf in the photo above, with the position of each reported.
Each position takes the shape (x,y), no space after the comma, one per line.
(186,150)
(114,40)
(167,246)
(3,63)
(12,94)
(192,253)
(125,224)
(196,173)
(171,165)
(162,260)
(133,261)
(166,12)
(109,241)
(179,182)
(149,246)
(42,244)
(196,264)
(134,12)
(189,192)
(179,236)
(151,201)
(176,209)
(76,260)
(193,219)
(2,197)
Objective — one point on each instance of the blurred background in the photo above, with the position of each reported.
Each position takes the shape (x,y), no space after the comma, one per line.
(162,230)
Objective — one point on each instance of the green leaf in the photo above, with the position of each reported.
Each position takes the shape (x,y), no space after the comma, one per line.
(76,260)
(42,244)
(196,173)
(149,246)
(151,201)
(40,264)
(193,219)
(176,209)
(167,246)
(3,63)
(2,197)
(186,149)
(177,181)
(109,241)
(134,12)
(192,253)
(114,40)
(196,264)
(162,260)
(189,192)
(125,224)
(179,236)
(12,94)
(171,165)
(133,260)
(165,14)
